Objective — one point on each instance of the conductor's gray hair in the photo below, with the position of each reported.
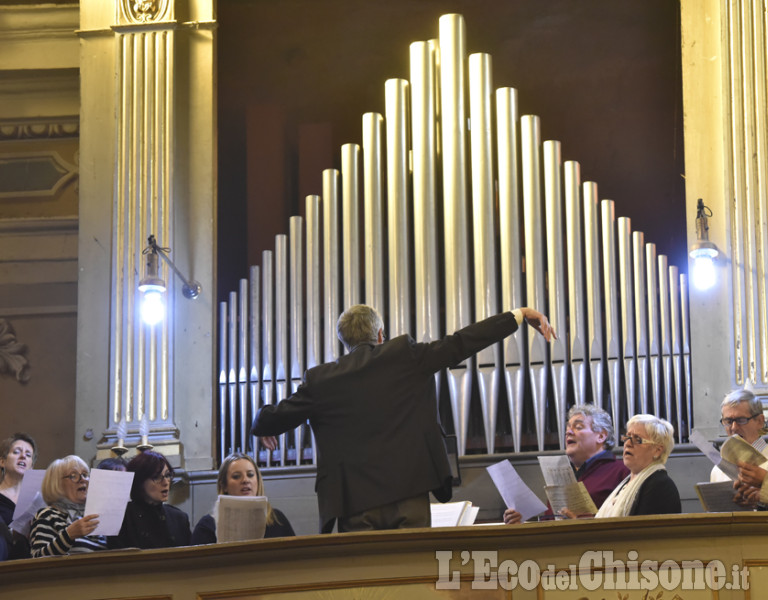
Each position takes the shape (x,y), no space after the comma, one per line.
(601,421)
(359,324)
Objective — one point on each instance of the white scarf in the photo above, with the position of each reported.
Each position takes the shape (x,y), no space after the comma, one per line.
(623,498)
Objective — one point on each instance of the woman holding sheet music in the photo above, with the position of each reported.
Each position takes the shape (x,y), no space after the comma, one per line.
(17,455)
(239,476)
(149,522)
(62,527)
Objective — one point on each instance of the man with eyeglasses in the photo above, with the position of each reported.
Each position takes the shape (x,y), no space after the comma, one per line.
(742,415)
(380,448)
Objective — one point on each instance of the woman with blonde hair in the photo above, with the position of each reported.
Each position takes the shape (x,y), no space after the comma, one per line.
(239,476)
(61,527)
(648,490)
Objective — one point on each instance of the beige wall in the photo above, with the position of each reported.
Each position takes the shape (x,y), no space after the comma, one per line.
(39,106)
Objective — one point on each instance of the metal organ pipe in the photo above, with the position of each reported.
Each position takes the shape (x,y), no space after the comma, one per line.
(535,234)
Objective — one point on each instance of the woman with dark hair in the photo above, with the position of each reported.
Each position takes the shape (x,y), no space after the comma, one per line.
(149,522)
(18,454)
(113,463)
(239,476)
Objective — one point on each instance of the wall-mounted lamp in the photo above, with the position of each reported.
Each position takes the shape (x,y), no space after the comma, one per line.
(152,286)
(703,252)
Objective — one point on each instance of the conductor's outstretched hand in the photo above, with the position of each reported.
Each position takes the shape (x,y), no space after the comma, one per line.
(539,322)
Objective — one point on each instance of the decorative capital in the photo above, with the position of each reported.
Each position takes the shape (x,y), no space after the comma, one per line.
(143,11)
(12,354)
(133,12)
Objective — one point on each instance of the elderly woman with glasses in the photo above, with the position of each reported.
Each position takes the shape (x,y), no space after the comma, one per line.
(149,522)
(648,490)
(61,527)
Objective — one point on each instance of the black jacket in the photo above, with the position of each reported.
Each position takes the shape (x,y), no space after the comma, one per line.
(657,496)
(374,416)
(152,526)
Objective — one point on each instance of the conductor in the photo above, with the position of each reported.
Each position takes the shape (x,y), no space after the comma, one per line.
(380,447)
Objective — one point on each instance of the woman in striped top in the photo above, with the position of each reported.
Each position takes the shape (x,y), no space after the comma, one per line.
(61,527)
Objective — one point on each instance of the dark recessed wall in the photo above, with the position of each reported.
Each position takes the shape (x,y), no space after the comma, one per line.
(603,75)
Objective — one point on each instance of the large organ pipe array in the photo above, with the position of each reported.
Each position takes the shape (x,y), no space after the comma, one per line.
(448,240)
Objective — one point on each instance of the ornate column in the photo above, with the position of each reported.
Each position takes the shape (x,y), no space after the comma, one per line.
(726,159)
(147,73)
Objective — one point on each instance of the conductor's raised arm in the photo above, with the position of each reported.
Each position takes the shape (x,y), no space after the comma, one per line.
(539,322)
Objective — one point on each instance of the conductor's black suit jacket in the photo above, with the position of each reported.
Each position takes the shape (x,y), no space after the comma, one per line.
(374,416)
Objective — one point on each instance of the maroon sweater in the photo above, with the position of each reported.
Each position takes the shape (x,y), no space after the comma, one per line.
(601,475)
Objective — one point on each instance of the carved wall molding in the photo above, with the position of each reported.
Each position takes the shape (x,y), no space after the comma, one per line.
(13,360)
(34,174)
(37,129)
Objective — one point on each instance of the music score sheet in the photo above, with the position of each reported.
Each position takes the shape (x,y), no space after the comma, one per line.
(557,470)
(562,489)
(736,449)
(108,495)
(717,496)
(702,443)
(453,514)
(30,487)
(29,502)
(240,518)
(513,490)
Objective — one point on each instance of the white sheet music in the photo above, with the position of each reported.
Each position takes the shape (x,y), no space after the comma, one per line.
(240,518)
(108,495)
(29,502)
(557,470)
(450,514)
(736,449)
(573,496)
(717,496)
(702,443)
(513,490)
(30,486)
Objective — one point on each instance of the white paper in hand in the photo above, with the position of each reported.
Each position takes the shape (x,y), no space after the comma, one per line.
(736,449)
(108,495)
(513,490)
(240,518)
(30,487)
(708,449)
(557,470)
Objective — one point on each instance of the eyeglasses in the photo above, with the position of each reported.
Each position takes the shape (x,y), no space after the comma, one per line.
(76,477)
(738,420)
(635,439)
(158,478)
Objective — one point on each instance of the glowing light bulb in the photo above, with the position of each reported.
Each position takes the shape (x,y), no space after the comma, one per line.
(704,274)
(153,307)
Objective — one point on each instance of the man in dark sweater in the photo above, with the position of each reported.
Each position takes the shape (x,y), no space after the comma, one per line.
(588,443)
